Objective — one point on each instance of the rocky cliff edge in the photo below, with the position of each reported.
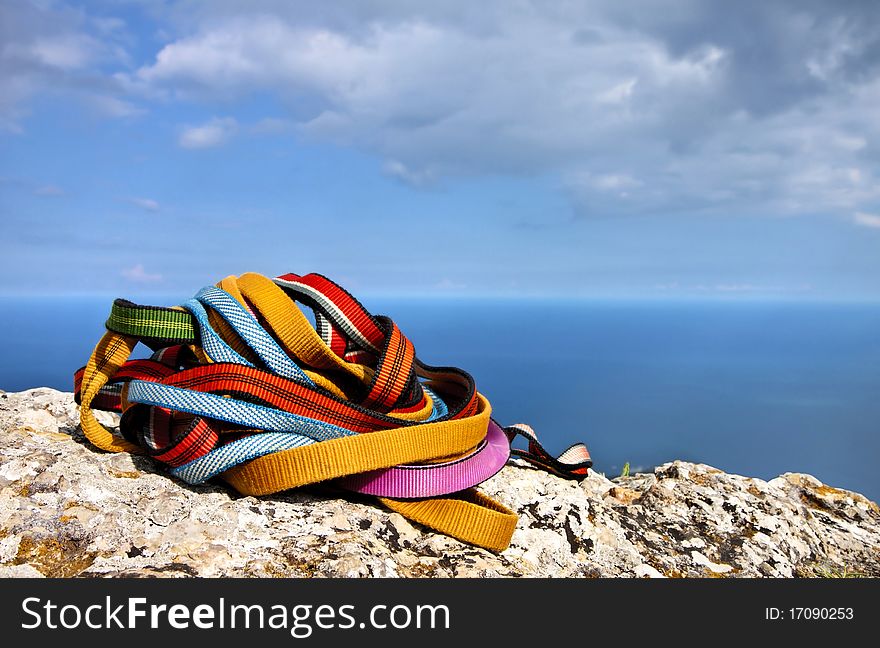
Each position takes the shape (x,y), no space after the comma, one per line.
(69,510)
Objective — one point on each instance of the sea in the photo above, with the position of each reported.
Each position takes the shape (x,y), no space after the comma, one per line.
(753,388)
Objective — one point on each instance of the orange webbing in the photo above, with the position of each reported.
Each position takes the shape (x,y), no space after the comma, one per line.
(393,373)
(469,516)
(230,285)
(291,327)
(360,453)
(282,316)
(109,355)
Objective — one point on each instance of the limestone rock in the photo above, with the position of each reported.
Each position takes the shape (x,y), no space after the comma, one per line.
(67,509)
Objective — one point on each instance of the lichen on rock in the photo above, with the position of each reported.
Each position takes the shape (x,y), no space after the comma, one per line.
(67,509)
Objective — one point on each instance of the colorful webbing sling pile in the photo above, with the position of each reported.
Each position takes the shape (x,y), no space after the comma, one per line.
(242,386)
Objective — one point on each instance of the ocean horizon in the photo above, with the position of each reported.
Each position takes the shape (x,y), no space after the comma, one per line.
(757,388)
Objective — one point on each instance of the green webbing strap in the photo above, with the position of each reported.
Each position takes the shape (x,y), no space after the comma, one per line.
(171,325)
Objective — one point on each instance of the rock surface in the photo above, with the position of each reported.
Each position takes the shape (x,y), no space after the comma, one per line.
(69,510)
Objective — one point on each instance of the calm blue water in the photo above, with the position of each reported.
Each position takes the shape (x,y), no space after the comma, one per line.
(756,389)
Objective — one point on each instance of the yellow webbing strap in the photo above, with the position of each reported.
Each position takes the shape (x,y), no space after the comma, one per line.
(224,330)
(109,355)
(469,516)
(291,327)
(360,453)
(230,285)
(296,334)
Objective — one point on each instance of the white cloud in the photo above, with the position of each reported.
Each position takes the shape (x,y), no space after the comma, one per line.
(608,181)
(867,220)
(413,177)
(732,288)
(447,284)
(739,288)
(749,108)
(66,52)
(145,203)
(439,94)
(618,93)
(113,106)
(213,133)
(850,142)
(138,274)
(412,92)
(50,48)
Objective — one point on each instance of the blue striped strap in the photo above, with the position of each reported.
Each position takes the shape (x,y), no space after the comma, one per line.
(237,452)
(212,344)
(257,445)
(231,410)
(251,332)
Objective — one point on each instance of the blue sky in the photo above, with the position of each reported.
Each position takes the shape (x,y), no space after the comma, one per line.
(694,150)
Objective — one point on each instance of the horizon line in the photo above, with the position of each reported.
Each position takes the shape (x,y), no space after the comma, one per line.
(506,296)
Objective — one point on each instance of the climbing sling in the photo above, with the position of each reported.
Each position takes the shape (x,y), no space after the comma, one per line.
(240,385)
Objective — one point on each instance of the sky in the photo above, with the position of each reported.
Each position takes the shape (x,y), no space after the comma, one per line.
(638,150)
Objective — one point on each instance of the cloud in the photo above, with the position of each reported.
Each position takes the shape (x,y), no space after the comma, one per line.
(137,274)
(213,133)
(272,126)
(757,107)
(49,190)
(53,49)
(606,181)
(740,288)
(412,177)
(110,106)
(866,220)
(409,92)
(70,51)
(618,93)
(732,288)
(747,107)
(447,284)
(145,203)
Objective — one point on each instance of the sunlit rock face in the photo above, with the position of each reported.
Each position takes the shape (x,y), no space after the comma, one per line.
(67,509)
